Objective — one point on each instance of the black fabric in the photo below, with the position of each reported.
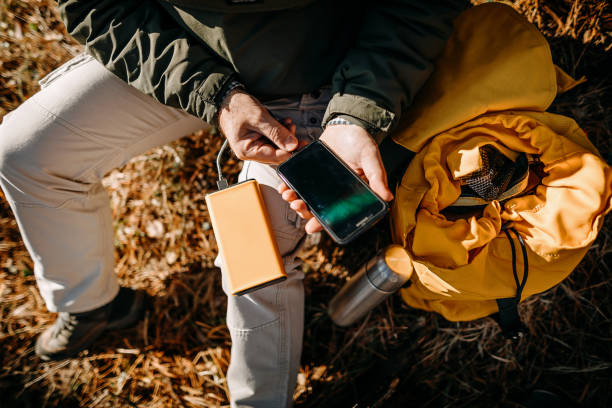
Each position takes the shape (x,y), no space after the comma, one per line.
(395,159)
(509,319)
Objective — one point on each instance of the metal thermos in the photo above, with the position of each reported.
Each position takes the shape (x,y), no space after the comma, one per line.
(379,278)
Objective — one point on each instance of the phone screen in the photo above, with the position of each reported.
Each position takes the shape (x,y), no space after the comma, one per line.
(336,196)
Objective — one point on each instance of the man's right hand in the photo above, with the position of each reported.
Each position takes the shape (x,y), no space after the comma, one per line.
(253,133)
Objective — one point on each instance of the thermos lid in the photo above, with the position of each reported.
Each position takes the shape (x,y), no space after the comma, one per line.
(390,269)
(398,260)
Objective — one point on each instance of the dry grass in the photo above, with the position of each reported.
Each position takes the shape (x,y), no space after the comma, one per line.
(397,357)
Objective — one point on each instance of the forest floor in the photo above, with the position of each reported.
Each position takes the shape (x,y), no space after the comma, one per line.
(396,357)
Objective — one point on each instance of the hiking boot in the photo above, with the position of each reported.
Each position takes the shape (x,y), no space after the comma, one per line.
(73,332)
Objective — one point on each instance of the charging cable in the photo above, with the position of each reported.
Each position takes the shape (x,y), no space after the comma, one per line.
(222,182)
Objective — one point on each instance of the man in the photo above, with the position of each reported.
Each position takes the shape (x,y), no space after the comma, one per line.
(158,70)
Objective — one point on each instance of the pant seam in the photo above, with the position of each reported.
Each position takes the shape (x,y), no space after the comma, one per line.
(106,247)
(283,357)
(127,149)
(71,127)
(51,207)
(285,235)
(259,327)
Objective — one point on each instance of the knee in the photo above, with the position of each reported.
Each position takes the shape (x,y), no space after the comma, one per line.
(10,149)
(28,169)
(22,147)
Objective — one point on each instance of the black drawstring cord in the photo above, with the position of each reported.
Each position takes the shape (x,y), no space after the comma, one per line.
(519,286)
(519,291)
(508,317)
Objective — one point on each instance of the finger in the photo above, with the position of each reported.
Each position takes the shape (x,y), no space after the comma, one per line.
(277,133)
(266,154)
(257,149)
(362,175)
(282,187)
(289,195)
(301,208)
(313,226)
(374,171)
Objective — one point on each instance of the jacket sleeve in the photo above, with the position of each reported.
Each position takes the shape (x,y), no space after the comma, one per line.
(141,44)
(392,57)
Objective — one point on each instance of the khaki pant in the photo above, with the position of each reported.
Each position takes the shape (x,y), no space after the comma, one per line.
(55,149)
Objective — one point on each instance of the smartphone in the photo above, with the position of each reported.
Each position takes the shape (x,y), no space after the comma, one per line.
(337,197)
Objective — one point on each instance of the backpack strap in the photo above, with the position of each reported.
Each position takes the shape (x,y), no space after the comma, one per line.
(508,317)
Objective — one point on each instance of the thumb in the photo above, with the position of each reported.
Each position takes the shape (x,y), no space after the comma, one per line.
(374,171)
(277,133)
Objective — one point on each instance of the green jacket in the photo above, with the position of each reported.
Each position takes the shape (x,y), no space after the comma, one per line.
(375,55)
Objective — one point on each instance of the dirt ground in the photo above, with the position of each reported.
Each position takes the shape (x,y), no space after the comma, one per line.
(396,357)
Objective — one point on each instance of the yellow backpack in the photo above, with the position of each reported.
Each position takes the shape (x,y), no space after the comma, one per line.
(491,88)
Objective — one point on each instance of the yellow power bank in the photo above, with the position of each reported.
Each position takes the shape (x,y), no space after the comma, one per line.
(248,250)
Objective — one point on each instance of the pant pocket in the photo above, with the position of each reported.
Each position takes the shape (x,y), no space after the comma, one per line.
(77,61)
(254,311)
(258,367)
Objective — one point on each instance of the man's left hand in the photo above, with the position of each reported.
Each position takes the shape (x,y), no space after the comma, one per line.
(357,148)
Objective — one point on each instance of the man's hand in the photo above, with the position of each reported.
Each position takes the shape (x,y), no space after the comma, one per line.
(357,148)
(253,133)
